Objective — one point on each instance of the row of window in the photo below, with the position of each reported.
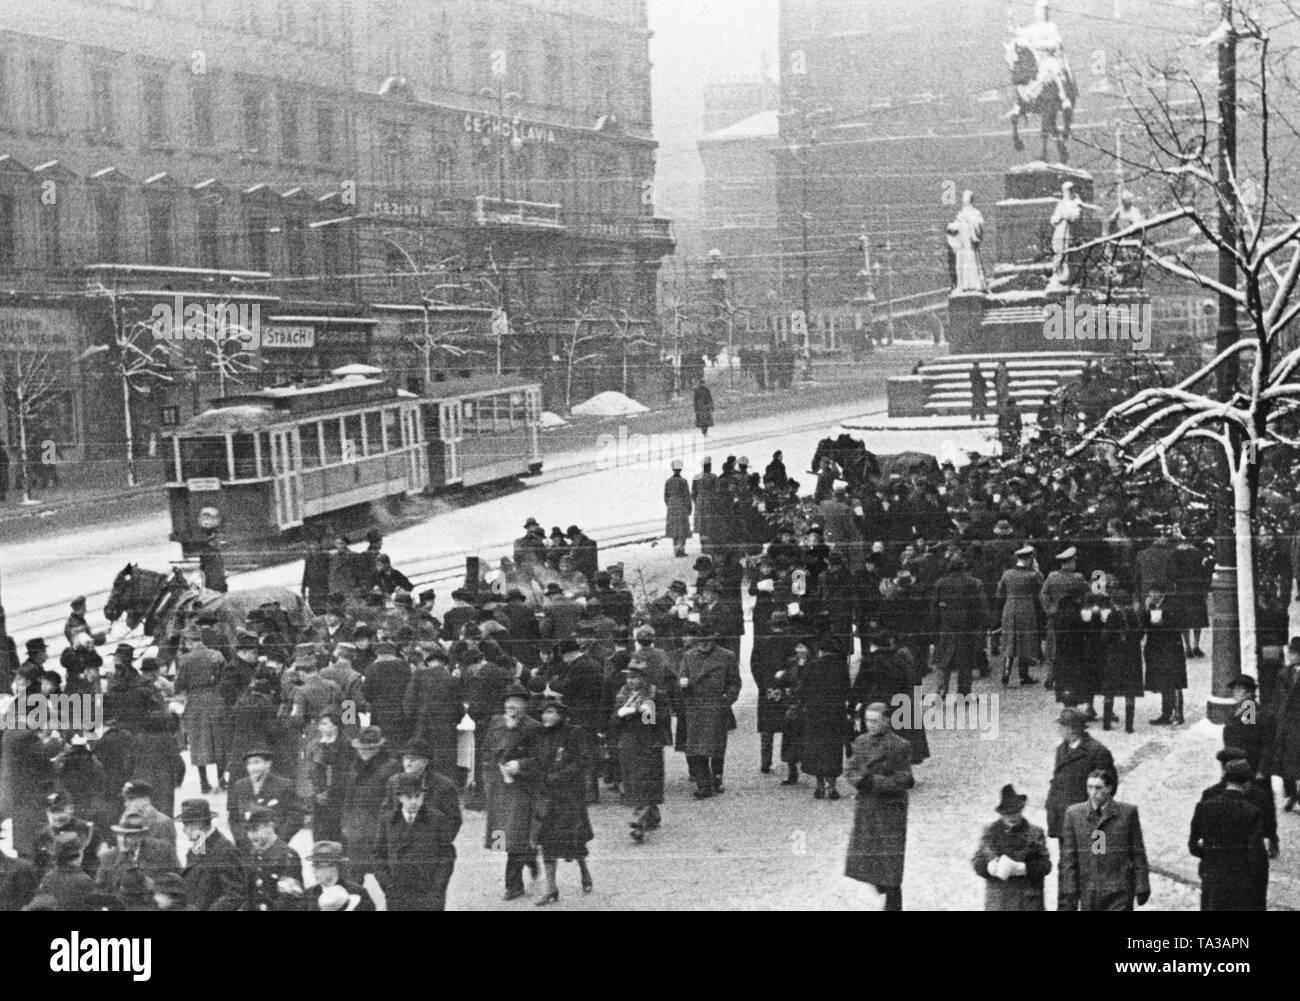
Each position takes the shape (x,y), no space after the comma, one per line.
(306,131)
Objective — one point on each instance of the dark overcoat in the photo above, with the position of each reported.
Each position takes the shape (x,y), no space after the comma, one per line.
(1070,777)
(640,745)
(509,804)
(1024,842)
(26,777)
(214,880)
(434,706)
(1121,654)
(1107,879)
(714,687)
(1166,662)
(363,805)
(1228,837)
(1286,757)
(823,699)
(960,615)
(555,770)
(880,768)
(769,657)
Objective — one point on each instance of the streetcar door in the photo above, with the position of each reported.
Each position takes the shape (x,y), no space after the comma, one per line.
(286,472)
(451,437)
(417,467)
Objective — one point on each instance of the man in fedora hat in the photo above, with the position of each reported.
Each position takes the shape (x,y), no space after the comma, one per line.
(214,872)
(709,683)
(272,870)
(677,499)
(416,846)
(1012,858)
(135,851)
(1077,756)
(331,892)
(262,787)
(530,548)
(367,788)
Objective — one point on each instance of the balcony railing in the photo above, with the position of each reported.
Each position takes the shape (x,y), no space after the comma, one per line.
(516,214)
(619,228)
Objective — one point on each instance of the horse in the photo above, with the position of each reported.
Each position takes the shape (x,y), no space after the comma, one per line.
(163,604)
(862,468)
(1047,89)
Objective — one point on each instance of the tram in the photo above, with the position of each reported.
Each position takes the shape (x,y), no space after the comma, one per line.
(259,466)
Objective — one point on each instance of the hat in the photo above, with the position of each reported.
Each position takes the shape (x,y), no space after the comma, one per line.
(1238,769)
(131,823)
(646,632)
(258,752)
(79,601)
(840,486)
(707,461)
(743,461)
(678,465)
(327,853)
(56,800)
(531,523)
(1231,754)
(409,784)
(1243,681)
(905,577)
(573,530)
(428,595)
(36,645)
(385,649)
(1012,801)
(243,641)
(169,884)
(370,738)
(878,707)
(306,653)
(137,790)
(417,748)
(1067,555)
(1025,551)
(556,703)
(637,664)
(516,691)
(401,597)
(553,588)
(333,898)
(1004,527)
(1073,718)
(257,815)
(678,585)
(195,811)
(435,652)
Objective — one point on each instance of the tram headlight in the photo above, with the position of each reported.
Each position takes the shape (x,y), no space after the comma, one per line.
(209,518)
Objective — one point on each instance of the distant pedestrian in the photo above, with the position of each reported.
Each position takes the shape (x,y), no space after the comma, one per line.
(677,498)
(703,408)
(880,768)
(978,394)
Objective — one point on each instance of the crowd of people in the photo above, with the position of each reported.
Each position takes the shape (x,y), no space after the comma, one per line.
(547,685)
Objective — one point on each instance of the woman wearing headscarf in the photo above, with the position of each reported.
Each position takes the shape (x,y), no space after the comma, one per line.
(554,767)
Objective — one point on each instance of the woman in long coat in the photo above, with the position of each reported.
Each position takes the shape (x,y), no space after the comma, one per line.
(1017,593)
(554,767)
(823,696)
(635,726)
(880,768)
(1074,676)
(1166,663)
(677,498)
(1121,658)
(510,802)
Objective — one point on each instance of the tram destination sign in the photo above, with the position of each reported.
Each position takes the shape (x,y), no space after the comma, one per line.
(299,338)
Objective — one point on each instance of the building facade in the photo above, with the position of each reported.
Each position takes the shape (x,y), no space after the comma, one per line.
(365,181)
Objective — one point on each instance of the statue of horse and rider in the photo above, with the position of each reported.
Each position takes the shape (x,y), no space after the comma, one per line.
(165,604)
(1042,82)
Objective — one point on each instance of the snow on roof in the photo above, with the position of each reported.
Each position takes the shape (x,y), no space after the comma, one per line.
(762,125)
(608,404)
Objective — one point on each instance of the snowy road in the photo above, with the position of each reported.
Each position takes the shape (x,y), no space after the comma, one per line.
(613,489)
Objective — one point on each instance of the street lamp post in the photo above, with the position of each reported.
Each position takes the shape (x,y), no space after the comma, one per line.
(718,280)
(510,141)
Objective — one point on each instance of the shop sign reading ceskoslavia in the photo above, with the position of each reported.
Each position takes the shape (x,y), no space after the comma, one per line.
(301,337)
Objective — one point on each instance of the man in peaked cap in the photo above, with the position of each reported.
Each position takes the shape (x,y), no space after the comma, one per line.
(1012,858)
(677,499)
(272,870)
(214,872)
(1064,586)
(61,818)
(705,496)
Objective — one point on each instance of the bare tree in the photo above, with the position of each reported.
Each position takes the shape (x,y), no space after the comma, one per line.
(227,350)
(627,337)
(32,382)
(1242,218)
(581,332)
(138,360)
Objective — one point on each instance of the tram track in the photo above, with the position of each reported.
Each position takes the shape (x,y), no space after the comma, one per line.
(47,619)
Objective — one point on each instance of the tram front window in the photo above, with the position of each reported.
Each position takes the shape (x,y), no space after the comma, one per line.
(245,457)
(204,458)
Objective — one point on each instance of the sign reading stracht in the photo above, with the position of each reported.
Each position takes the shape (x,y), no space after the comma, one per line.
(1073,320)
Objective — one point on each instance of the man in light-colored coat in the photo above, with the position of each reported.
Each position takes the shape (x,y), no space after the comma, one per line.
(709,679)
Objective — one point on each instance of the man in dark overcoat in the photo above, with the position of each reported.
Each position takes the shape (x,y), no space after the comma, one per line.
(709,680)
(880,768)
(416,847)
(960,613)
(1077,756)
(262,787)
(1228,835)
(214,872)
